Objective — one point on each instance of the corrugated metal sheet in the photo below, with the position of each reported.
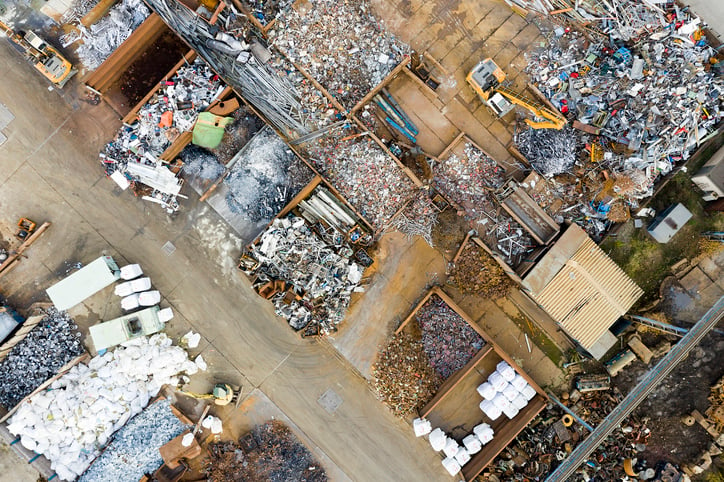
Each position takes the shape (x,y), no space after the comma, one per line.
(588,294)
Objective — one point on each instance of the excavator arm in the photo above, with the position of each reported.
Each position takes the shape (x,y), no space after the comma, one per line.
(553,120)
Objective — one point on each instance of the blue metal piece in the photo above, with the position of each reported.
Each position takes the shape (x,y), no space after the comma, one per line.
(401,129)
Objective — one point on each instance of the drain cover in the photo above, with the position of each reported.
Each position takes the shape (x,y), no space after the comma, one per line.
(330,401)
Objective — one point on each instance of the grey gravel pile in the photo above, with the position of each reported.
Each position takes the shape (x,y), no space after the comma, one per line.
(51,344)
(134,449)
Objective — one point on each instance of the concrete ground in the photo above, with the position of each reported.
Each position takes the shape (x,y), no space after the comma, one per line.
(50,173)
(712,12)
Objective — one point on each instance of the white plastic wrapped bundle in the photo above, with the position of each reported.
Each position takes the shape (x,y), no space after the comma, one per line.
(497,381)
(451,447)
(520,402)
(462,457)
(510,411)
(421,427)
(437,439)
(490,410)
(528,392)
(518,382)
(487,391)
(130,302)
(484,433)
(472,444)
(123,289)
(149,298)
(501,401)
(165,315)
(212,423)
(131,271)
(451,465)
(506,371)
(141,284)
(510,392)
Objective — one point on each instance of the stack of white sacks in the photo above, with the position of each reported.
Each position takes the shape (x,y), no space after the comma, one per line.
(135,290)
(455,455)
(505,392)
(76,417)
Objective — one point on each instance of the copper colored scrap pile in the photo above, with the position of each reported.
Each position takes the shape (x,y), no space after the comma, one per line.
(367,177)
(476,272)
(340,44)
(447,338)
(403,376)
(270,452)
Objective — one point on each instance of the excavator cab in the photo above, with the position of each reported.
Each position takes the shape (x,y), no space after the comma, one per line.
(485,77)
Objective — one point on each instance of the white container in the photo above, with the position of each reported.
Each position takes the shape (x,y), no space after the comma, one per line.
(490,410)
(510,392)
(437,439)
(486,391)
(421,427)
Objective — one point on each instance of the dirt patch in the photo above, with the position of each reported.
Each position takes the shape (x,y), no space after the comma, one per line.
(449,232)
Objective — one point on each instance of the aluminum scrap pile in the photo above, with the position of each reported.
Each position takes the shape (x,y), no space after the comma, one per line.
(341,44)
(102,38)
(403,375)
(549,151)
(476,272)
(417,219)
(546,441)
(76,417)
(200,162)
(270,452)
(77,10)
(656,99)
(233,50)
(265,178)
(267,10)
(53,342)
(322,273)
(366,176)
(469,180)
(134,449)
(448,340)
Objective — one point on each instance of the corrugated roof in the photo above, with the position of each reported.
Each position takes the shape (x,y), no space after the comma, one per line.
(588,293)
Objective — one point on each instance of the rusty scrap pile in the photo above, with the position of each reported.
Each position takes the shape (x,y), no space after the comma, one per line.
(547,441)
(340,44)
(476,272)
(365,175)
(642,107)
(270,452)
(448,340)
(417,219)
(403,376)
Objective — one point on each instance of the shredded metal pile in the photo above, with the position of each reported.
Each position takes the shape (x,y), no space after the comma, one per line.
(134,449)
(341,44)
(108,33)
(270,452)
(54,342)
(200,162)
(265,177)
(476,272)
(447,339)
(366,176)
(549,151)
(417,219)
(321,272)
(403,376)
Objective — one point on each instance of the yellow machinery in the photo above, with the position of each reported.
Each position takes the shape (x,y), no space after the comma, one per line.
(486,78)
(223,394)
(45,58)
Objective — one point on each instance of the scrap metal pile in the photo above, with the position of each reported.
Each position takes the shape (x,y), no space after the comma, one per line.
(640,108)
(318,274)
(365,174)
(448,340)
(268,10)
(476,272)
(417,219)
(102,38)
(269,452)
(77,416)
(134,449)
(340,44)
(403,376)
(547,440)
(54,342)
(549,151)
(265,177)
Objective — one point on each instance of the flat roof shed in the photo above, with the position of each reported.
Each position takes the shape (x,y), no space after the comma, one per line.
(582,289)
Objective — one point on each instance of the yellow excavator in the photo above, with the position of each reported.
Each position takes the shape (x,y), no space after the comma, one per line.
(487,78)
(44,57)
(222,394)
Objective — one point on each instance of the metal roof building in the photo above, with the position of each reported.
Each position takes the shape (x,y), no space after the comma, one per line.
(582,289)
